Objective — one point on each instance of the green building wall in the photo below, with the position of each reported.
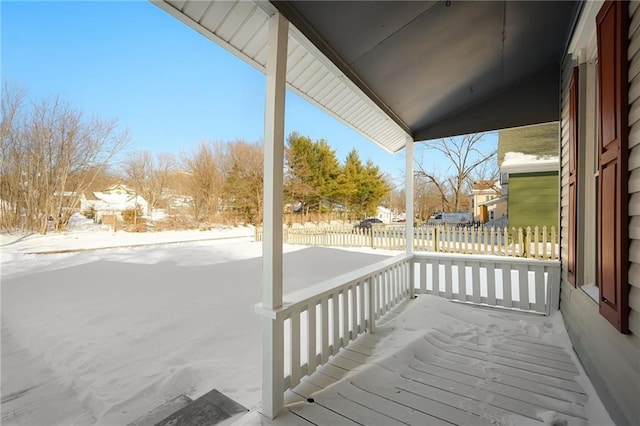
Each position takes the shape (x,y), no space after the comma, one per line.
(540,140)
(533,199)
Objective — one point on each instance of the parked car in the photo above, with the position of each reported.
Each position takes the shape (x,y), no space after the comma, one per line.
(367,224)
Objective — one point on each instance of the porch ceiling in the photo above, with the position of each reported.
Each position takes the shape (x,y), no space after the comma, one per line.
(389,69)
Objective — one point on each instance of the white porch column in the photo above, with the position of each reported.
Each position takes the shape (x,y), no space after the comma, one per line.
(409,193)
(409,209)
(272,330)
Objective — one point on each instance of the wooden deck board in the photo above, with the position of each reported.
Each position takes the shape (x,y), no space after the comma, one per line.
(514,400)
(462,356)
(562,357)
(501,384)
(445,359)
(389,385)
(387,407)
(555,354)
(333,371)
(533,359)
(361,349)
(319,415)
(339,361)
(352,409)
(320,379)
(353,356)
(453,375)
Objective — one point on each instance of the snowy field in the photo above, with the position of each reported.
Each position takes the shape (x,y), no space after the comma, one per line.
(101,327)
(102,336)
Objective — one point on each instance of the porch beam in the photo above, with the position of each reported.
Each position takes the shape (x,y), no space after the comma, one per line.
(273,334)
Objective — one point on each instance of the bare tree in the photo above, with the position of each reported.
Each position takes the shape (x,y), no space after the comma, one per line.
(50,155)
(465,156)
(205,168)
(10,135)
(149,175)
(243,184)
(427,199)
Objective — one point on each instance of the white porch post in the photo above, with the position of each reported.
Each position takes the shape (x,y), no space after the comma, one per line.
(409,193)
(409,209)
(272,330)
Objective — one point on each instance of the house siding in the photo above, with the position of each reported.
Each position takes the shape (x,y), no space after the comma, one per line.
(612,359)
(541,140)
(533,199)
(634,168)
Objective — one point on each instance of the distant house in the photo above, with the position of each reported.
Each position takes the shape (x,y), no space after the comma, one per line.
(488,201)
(384,214)
(112,201)
(529,165)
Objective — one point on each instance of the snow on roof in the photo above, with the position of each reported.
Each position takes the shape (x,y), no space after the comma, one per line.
(119,188)
(518,162)
(115,201)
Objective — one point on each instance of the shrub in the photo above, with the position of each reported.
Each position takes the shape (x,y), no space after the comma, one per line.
(133,216)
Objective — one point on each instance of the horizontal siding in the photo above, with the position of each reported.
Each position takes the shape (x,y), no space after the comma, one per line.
(634,205)
(533,199)
(634,134)
(634,228)
(610,358)
(634,322)
(564,169)
(634,166)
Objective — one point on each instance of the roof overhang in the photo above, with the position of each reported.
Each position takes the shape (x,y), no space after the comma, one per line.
(495,201)
(393,69)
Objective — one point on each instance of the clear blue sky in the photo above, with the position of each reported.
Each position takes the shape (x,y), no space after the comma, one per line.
(167,84)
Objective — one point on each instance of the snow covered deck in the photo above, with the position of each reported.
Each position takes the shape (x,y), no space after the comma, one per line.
(432,361)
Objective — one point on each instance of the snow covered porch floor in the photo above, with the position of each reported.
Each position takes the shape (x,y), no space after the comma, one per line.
(435,362)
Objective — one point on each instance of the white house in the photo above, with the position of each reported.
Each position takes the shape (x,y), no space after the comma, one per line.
(113,201)
(384,214)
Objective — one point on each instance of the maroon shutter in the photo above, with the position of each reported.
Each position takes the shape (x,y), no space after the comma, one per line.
(612,27)
(573,178)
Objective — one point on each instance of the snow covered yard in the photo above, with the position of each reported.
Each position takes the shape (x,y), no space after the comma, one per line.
(103,336)
(107,333)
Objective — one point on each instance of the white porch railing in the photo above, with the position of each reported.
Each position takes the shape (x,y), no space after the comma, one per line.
(530,242)
(324,318)
(507,282)
(316,322)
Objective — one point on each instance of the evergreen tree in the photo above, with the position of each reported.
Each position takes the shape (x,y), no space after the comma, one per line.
(362,187)
(298,176)
(315,179)
(311,172)
(325,171)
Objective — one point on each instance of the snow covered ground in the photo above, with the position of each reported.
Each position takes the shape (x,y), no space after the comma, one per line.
(104,334)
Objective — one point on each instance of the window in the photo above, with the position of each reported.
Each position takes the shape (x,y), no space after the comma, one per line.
(504,178)
(589,177)
(597,228)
